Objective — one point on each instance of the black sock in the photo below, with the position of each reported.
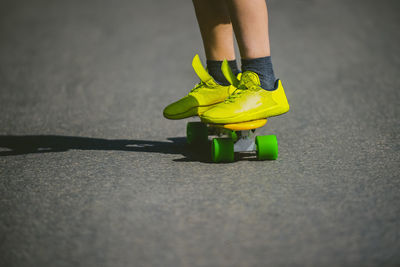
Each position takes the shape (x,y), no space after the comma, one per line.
(214,69)
(263,67)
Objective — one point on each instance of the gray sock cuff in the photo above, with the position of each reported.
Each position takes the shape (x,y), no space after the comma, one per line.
(214,69)
(263,67)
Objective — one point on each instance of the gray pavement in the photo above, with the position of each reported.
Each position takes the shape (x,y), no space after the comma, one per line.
(91,174)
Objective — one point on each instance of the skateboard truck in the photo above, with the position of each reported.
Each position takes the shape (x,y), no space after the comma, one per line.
(245,141)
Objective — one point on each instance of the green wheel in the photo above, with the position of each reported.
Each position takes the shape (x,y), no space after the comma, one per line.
(234,136)
(196,133)
(267,147)
(222,150)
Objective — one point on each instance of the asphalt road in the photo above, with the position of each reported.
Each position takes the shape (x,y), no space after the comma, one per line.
(91,174)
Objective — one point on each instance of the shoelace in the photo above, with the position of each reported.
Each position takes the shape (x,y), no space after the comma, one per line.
(197,87)
(237,93)
(243,87)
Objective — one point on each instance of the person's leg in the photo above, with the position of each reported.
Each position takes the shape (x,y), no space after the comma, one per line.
(256,96)
(217,34)
(250,23)
(215,28)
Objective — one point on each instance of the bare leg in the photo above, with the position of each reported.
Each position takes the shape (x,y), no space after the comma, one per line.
(216,29)
(250,23)
(264,97)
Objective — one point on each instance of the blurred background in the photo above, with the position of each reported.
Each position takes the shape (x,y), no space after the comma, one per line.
(91,174)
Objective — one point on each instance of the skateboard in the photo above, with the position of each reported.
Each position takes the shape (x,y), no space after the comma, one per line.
(228,139)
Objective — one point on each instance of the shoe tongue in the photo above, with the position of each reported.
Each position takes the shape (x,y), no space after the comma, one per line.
(249,79)
(201,71)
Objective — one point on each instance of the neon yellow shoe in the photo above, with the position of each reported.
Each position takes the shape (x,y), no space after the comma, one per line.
(201,98)
(248,102)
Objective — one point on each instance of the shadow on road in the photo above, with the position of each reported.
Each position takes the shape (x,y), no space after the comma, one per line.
(27,144)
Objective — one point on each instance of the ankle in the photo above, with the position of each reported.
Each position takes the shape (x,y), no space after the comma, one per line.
(263,67)
(214,69)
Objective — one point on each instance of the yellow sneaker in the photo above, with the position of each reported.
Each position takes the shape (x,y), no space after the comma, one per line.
(248,102)
(201,98)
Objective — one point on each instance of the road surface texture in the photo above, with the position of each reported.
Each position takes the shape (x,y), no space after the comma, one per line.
(93,175)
